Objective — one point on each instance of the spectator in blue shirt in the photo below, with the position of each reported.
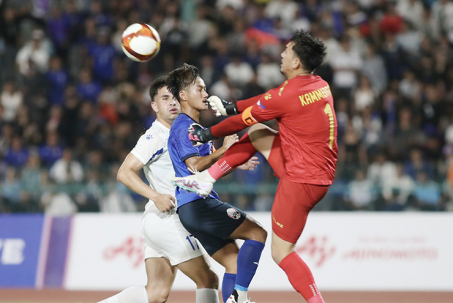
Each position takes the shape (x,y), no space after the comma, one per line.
(51,151)
(416,164)
(17,155)
(57,79)
(103,54)
(88,89)
(427,193)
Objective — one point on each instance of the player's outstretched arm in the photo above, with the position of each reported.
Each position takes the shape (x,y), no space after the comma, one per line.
(224,108)
(231,125)
(127,174)
(202,163)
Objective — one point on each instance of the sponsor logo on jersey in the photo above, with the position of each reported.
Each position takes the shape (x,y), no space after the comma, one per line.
(233,213)
(276,222)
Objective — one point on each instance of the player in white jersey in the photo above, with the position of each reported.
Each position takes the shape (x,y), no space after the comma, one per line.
(168,245)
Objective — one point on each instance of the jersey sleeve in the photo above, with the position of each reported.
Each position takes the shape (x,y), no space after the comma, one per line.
(183,146)
(267,107)
(270,106)
(148,148)
(243,104)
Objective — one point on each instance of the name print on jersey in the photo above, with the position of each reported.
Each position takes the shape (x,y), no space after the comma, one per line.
(316,95)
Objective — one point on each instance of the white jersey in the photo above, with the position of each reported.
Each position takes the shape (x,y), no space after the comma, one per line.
(162,232)
(151,149)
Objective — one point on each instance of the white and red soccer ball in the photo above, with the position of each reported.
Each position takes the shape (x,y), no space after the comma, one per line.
(141,42)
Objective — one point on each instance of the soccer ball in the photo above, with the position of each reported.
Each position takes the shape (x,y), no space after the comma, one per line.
(141,42)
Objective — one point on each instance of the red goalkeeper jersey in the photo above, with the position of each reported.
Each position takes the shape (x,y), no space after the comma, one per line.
(303,107)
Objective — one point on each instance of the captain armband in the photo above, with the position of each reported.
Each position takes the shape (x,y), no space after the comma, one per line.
(247,117)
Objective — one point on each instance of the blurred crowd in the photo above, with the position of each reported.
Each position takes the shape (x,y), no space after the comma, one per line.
(72,105)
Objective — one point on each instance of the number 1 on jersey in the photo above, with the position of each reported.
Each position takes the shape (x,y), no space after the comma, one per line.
(329,113)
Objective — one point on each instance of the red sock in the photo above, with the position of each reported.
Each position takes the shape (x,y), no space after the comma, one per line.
(236,155)
(301,278)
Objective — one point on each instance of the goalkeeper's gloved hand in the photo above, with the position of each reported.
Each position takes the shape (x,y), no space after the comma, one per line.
(222,107)
(199,135)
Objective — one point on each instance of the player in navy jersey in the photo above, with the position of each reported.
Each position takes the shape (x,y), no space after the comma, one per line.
(214,223)
(303,153)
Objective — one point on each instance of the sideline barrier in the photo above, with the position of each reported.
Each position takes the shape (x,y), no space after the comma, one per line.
(346,252)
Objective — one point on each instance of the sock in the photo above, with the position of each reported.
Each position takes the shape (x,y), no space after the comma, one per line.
(301,278)
(136,294)
(228,285)
(207,295)
(248,259)
(236,155)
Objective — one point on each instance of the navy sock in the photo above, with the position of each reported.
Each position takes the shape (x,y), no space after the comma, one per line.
(228,285)
(248,259)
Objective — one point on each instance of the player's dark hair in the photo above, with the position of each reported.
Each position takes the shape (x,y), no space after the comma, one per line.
(181,78)
(310,50)
(156,85)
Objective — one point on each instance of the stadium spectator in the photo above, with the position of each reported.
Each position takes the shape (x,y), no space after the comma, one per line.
(63,75)
(31,175)
(360,193)
(345,63)
(17,154)
(416,164)
(88,89)
(34,55)
(427,193)
(66,169)
(239,73)
(382,170)
(118,198)
(396,192)
(11,187)
(268,73)
(11,100)
(57,203)
(51,151)
(57,78)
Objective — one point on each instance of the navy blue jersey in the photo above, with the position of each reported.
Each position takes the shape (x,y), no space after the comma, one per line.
(180,149)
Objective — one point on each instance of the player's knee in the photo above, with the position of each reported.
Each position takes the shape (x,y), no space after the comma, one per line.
(208,280)
(261,235)
(278,253)
(158,293)
(258,234)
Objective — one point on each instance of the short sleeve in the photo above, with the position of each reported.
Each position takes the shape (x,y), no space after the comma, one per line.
(182,144)
(148,148)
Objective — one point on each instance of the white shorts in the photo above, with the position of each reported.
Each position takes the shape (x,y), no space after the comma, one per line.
(165,236)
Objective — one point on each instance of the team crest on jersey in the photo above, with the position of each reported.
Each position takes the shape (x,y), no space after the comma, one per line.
(267,96)
(233,213)
(148,137)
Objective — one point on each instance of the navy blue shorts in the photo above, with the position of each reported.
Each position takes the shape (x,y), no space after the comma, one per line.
(211,222)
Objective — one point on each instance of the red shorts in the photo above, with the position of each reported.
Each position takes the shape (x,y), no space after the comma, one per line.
(292,203)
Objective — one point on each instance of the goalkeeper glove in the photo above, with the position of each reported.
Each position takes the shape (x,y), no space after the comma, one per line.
(222,107)
(199,135)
